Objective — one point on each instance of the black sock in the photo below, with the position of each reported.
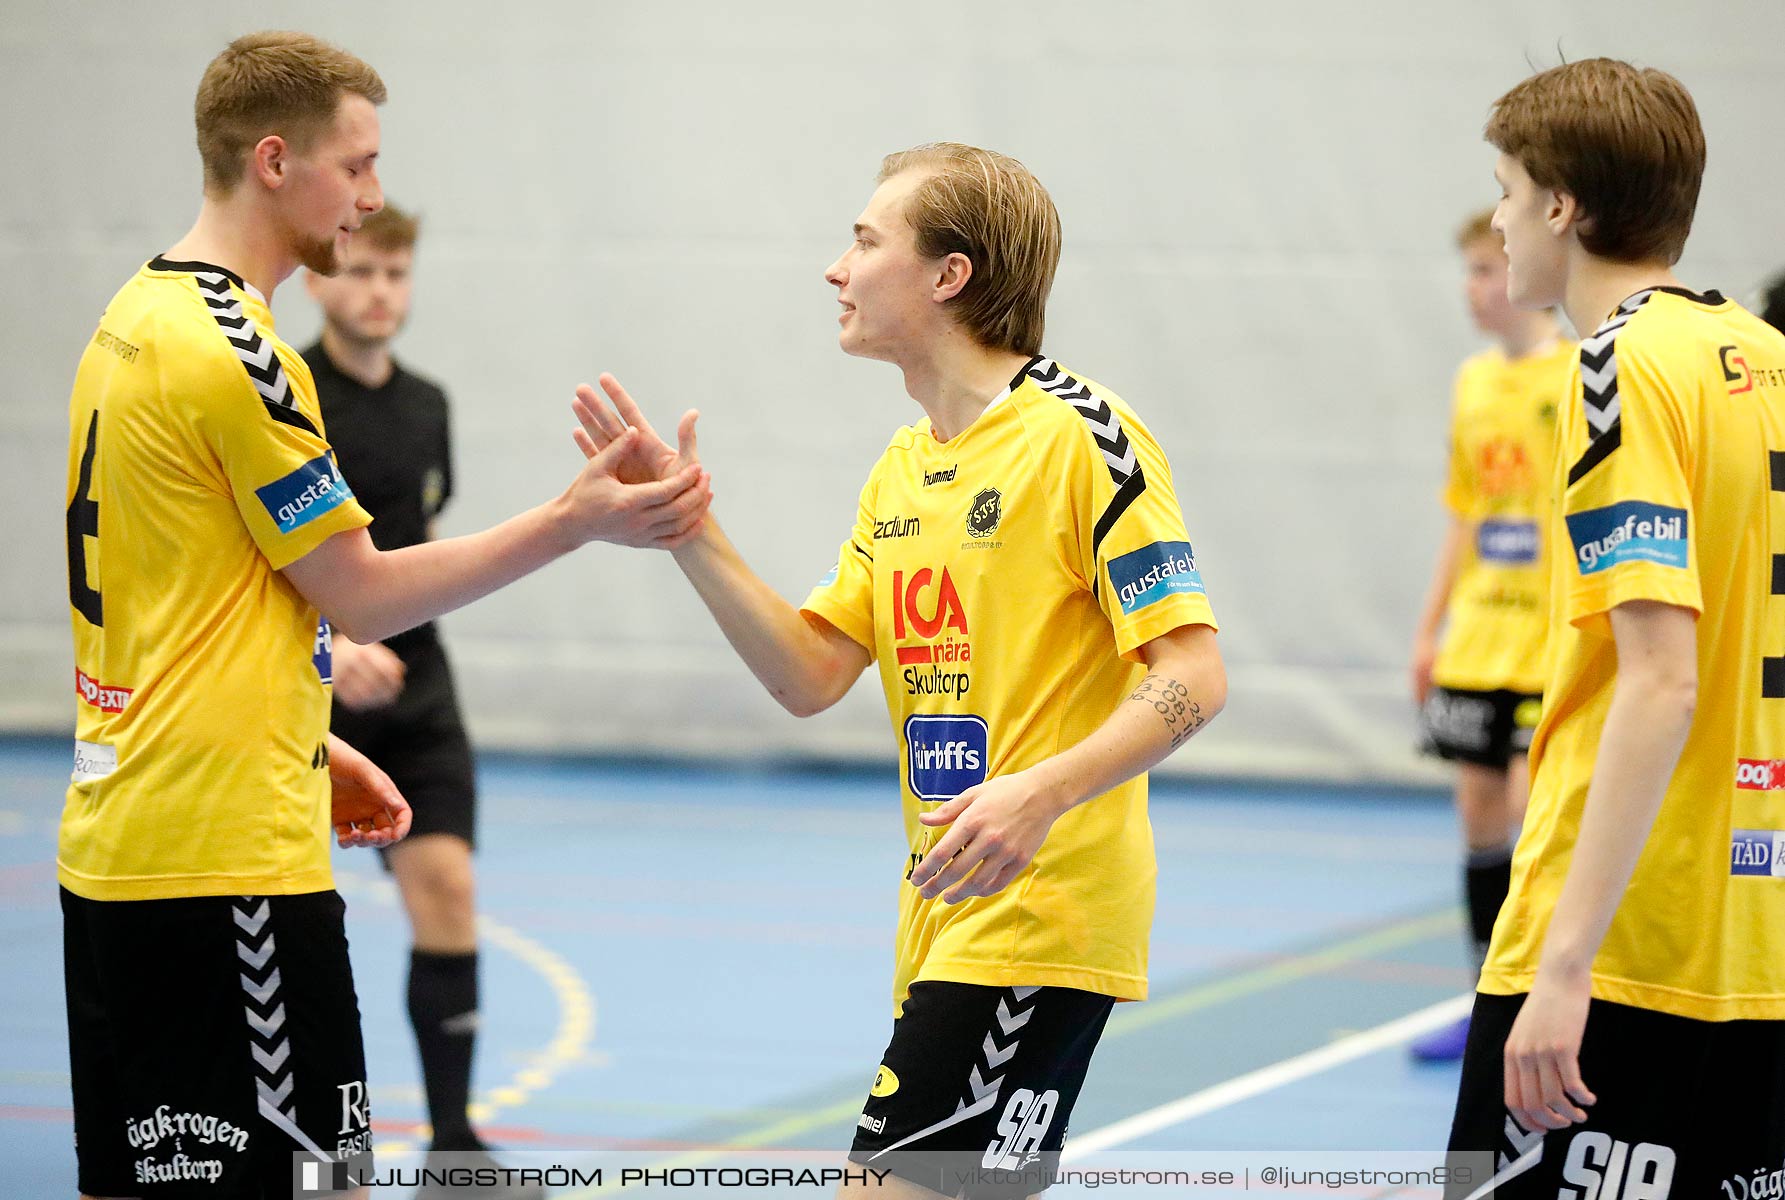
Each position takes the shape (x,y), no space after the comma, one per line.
(1487,877)
(443,1009)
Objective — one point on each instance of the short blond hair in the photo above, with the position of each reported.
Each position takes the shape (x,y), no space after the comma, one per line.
(1625,142)
(390,228)
(1479,227)
(283,83)
(989,207)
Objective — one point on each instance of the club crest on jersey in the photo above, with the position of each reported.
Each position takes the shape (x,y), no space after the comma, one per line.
(309,492)
(984,513)
(1757,852)
(945,754)
(1632,531)
(1146,576)
(1513,543)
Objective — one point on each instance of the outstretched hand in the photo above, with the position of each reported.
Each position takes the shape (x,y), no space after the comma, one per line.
(623,496)
(602,425)
(365,808)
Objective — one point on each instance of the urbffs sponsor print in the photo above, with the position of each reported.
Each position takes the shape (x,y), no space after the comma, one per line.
(201,1133)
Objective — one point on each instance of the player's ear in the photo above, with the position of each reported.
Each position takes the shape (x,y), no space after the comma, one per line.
(1563,212)
(270,161)
(956,270)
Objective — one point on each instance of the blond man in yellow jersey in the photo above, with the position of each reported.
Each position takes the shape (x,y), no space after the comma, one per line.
(1629,1035)
(213,1029)
(1479,685)
(1020,572)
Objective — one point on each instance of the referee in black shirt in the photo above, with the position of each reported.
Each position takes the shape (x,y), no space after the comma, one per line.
(394,700)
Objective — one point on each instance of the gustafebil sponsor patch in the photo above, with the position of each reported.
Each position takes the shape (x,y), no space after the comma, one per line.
(307,493)
(1150,574)
(1633,531)
(946,754)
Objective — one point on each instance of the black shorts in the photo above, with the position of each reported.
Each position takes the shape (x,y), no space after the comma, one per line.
(210,1040)
(420,743)
(1685,1108)
(977,1085)
(1484,728)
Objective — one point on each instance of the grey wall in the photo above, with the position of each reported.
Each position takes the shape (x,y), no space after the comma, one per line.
(1258,202)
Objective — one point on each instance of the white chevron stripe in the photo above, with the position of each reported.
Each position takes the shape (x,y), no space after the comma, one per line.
(276,392)
(1521,1141)
(978,1086)
(256,351)
(961,1114)
(1010,1022)
(275,1096)
(1508,1172)
(253,349)
(1109,429)
(1123,466)
(272,1062)
(1598,381)
(267,1026)
(1602,419)
(289,1126)
(1603,336)
(994,1057)
(255,958)
(261,993)
(253,921)
(1023,993)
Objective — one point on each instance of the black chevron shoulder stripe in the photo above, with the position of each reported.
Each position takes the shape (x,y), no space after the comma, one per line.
(1599,387)
(1106,431)
(256,353)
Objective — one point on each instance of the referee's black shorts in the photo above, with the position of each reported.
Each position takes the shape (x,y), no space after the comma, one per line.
(420,742)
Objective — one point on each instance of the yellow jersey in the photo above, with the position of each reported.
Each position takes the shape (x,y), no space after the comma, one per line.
(197,469)
(1005,581)
(1672,480)
(1502,459)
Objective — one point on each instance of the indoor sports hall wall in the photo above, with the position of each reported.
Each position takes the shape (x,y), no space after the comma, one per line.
(1258,204)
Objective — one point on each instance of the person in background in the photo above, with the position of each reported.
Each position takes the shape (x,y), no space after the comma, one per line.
(1478,652)
(395,699)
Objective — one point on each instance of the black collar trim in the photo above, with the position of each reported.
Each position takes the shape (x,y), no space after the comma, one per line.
(159,263)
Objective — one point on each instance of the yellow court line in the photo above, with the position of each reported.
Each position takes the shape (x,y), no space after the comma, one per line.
(570,1041)
(1129,1018)
(1207,995)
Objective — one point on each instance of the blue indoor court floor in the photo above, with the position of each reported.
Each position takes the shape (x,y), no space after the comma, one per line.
(681,962)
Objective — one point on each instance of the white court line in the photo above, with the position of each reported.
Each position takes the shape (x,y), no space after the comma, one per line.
(1265,1079)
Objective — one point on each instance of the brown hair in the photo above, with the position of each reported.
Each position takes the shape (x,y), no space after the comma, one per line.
(1478,228)
(1624,142)
(990,208)
(288,84)
(390,228)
